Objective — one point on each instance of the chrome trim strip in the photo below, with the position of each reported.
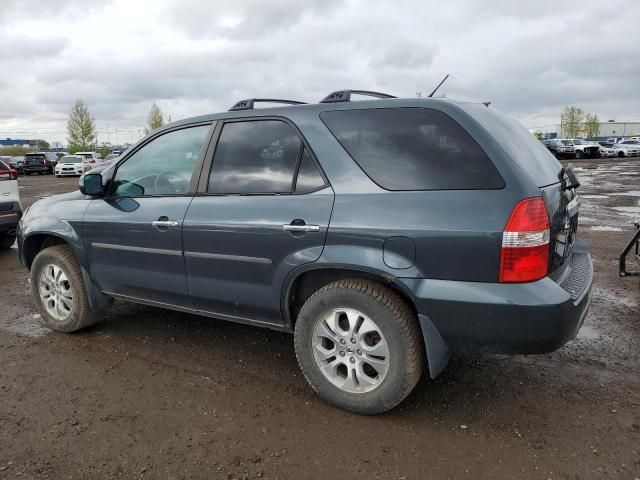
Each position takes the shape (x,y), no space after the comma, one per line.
(206,313)
(220,256)
(130,248)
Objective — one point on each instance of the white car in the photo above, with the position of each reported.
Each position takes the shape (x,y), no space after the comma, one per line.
(92,158)
(72,165)
(606,150)
(627,148)
(10,206)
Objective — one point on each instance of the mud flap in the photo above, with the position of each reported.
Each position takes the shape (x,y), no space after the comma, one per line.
(437,352)
(97,300)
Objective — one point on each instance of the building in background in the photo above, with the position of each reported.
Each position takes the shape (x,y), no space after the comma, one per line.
(611,128)
(17,142)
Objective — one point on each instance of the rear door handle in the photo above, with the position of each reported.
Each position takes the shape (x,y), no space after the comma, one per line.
(300,228)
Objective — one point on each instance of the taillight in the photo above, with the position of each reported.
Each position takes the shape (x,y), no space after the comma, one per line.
(525,243)
(8,174)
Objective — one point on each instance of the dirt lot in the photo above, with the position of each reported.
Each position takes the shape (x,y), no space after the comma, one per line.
(156,394)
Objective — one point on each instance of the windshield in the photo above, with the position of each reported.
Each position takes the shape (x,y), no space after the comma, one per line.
(579,142)
(71,159)
(86,155)
(567,142)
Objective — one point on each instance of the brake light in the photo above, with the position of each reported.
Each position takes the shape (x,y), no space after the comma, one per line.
(525,243)
(9,174)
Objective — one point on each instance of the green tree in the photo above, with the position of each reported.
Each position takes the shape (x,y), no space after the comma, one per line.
(592,125)
(105,149)
(155,119)
(538,134)
(571,121)
(81,128)
(42,144)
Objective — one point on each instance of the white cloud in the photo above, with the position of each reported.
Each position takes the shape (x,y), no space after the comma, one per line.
(198,56)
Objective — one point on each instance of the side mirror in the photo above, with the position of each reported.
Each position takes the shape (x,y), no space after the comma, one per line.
(91,184)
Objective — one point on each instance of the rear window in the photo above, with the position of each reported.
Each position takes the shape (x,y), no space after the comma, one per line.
(519,144)
(413,149)
(32,157)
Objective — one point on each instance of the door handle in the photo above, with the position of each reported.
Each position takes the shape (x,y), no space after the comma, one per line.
(165,223)
(300,228)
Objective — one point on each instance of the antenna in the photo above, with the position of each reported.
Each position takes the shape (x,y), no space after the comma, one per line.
(439,85)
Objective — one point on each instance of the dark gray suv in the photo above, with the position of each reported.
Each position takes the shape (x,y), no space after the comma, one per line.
(386,234)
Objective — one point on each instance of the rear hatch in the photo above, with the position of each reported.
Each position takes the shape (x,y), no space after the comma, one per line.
(557,190)
(35,159)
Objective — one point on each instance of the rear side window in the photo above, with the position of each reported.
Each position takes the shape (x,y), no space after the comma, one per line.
(413,149)
(255,157)
(309,177)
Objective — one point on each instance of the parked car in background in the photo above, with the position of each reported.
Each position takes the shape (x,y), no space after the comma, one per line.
(39,162)
(626,149)
(606,150)
(582,148)
(17,163)
(559,149)
(61,154)
(10,206)
(71,165)
(90,157)
(112,157)
(385,234)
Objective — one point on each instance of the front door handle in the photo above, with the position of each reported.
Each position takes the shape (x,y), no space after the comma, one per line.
(163,223)
(300,228)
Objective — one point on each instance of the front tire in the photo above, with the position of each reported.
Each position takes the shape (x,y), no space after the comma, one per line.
(359,346)
(59,291)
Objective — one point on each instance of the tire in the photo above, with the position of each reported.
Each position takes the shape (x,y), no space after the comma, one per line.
(379,389)
(578,154)
(620,154)
(79,315)
(6,241)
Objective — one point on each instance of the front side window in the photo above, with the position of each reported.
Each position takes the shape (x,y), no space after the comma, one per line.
(163,166)
(413,149)
(255,157)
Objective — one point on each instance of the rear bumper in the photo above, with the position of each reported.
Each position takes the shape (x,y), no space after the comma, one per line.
(535,317)
(37,168)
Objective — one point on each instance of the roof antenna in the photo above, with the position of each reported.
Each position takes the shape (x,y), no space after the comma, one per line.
(439,85)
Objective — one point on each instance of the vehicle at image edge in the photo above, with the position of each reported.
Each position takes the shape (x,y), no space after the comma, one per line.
(10,206)
(559,149)
(71,165)
(606,150)
(582,148)
(385,234)
(39,162)
(626,148)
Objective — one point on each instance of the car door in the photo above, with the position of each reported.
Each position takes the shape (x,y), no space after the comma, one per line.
(262,209)
(133,236)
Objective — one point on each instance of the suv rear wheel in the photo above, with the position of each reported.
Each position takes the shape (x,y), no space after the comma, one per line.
(359,346)
(6,241)
(59,291)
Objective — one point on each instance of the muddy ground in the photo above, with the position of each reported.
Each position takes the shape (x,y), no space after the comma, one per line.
(156,394)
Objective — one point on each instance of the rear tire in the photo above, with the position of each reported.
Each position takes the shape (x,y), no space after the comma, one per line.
(370,357)
(59,291)
(6,241)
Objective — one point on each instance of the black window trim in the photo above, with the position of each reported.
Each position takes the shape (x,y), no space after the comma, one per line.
(205,174)
(197,168)
(504,183)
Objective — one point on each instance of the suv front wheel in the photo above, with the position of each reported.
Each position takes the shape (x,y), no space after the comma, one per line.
(59,291)
(359,346)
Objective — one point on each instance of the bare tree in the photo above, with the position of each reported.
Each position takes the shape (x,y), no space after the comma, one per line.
(81,128)
(571,121)
(155,119)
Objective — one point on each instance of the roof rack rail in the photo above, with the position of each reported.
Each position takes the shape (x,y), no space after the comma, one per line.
(249,102)
(345,95)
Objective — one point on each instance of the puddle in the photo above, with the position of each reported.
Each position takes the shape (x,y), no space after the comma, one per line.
(595,196)
(628,211)
(582,220)
(606,228)
(631,193)
(25,326)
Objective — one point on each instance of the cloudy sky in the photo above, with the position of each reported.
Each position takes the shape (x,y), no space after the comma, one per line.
(530,58)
